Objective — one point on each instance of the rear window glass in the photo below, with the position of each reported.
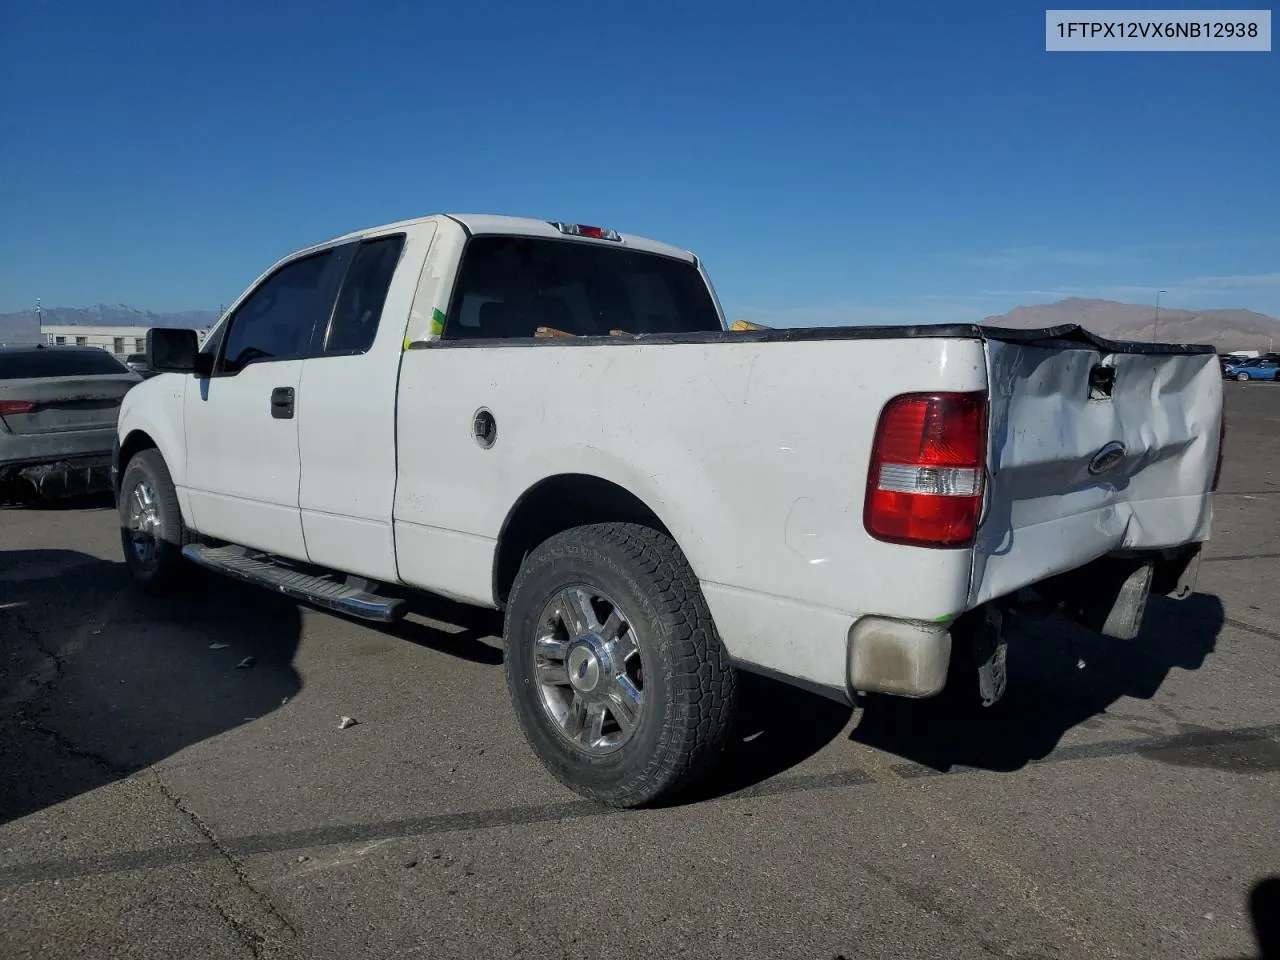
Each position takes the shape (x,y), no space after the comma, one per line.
(57,362)
(510,286)
(364,291)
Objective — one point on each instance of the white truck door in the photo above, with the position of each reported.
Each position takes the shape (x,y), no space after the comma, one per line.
(347,408)
(241,422)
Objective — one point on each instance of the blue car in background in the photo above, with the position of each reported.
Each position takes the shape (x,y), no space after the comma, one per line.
(1258,368)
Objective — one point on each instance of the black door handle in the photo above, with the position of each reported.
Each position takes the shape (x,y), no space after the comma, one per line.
(282,403)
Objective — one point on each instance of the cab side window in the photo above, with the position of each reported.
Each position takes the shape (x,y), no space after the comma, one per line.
(277,320)
(364,291)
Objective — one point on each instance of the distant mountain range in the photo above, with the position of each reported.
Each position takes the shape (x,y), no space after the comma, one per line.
(22,327)
(1225,329)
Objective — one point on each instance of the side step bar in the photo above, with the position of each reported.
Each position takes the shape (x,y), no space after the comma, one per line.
(351,597)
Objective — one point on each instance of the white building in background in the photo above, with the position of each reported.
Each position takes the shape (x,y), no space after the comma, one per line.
(122,341)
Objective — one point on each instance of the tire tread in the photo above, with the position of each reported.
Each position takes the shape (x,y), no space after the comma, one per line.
(172,565)
(704,683)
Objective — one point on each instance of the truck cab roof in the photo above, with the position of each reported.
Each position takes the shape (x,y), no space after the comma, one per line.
(486,223)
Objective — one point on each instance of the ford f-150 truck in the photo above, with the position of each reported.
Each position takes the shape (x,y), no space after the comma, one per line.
(555,420)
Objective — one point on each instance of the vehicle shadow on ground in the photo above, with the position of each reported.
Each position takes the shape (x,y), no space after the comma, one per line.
(1264,909)
(98,681)
(778,726)
(452,628)
(1060,676)
(1264,912)
(445,626)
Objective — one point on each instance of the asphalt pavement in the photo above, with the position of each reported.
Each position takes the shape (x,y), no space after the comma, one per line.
(174,782)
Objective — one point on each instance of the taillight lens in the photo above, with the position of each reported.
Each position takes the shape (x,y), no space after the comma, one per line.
(928,462)
(15,406)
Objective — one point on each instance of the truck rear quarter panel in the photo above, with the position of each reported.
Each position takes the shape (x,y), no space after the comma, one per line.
(753,454)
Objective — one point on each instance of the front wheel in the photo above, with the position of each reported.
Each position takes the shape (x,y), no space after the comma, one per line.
(151,529)
(616,671)
(1242,377)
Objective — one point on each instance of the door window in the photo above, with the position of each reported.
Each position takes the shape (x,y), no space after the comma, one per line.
(277,320)
(364,291)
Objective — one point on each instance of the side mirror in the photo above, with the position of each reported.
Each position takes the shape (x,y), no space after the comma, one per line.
(172,350)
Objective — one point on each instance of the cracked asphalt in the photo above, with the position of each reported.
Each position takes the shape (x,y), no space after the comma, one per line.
(158,801)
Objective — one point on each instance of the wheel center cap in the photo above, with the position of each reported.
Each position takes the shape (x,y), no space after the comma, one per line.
(584,668)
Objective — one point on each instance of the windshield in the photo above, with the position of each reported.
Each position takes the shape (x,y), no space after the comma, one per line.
(510,286)
(58,362)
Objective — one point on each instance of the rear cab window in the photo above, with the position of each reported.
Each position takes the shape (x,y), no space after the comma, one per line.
(364,292)
(58,362)
(510,286)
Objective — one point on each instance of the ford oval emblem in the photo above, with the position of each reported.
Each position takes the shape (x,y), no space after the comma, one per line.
(1107,457)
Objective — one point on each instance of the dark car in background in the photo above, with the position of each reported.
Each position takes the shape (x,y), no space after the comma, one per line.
(58,411)
(137,362)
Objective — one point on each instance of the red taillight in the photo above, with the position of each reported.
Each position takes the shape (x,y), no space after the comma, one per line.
(924,487)
(8,407)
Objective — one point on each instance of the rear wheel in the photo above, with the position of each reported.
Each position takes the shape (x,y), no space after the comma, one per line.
(618,677)
(151,529)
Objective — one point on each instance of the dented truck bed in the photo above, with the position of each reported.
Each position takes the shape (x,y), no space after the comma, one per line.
(1094,448)
(757,448)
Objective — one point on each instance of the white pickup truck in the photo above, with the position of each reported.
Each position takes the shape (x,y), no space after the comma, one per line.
(555,420)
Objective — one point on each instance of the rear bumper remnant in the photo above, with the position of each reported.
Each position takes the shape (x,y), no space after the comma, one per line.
(74,477)
(902,657)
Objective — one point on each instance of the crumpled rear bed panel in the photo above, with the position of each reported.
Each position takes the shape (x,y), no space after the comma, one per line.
(1047,513)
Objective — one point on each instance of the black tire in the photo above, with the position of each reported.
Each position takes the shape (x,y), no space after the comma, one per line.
(689,685)
(163,569)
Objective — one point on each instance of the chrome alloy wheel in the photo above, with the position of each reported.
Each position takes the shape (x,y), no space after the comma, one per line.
(588,668)
(143,524)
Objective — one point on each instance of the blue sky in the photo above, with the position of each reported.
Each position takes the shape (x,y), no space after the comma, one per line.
(831,162)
